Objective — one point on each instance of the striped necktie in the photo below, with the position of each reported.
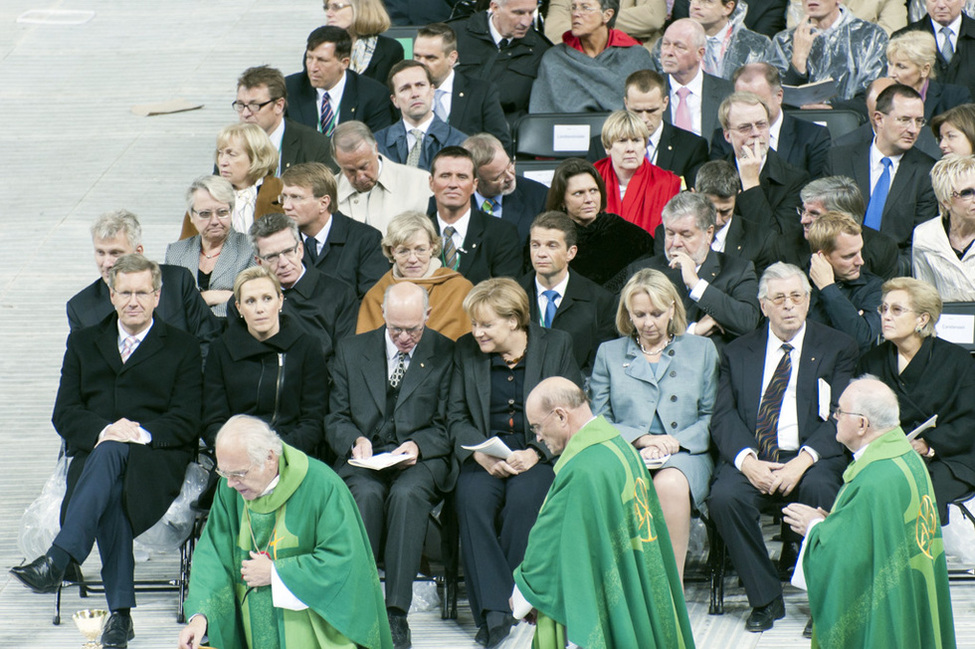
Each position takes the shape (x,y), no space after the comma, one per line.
(327,123)
(767,424)
(449,249)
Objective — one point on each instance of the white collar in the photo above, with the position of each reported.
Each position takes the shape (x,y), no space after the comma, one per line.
(423,126)
(558,288)
(448,84)
(123,334)
(775,343)
(954,26)
(277,135)
(495,34)
(460,225)
(392,351)
(696,85)
(335,93)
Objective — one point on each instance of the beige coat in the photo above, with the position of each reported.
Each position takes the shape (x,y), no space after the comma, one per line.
(399,189)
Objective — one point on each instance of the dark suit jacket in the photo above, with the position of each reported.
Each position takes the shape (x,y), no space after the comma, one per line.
(587,312)
(392,141)
(926,142)
(826,354)
(388,53)
(713,90)
(475,107)
(679,151)
(160,386)
(363,99)
(777,196)
(353,253)
(357,404)
(301,143)
(180,305)
(961,70)
(944,96)
(802,144)
(911,200)
(521,206)
(731,297)
(549,353)
(491,248)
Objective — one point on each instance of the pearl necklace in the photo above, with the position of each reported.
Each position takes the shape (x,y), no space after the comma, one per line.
(653,352)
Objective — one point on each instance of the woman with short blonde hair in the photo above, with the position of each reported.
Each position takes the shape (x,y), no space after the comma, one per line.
(373,55)
(912,60)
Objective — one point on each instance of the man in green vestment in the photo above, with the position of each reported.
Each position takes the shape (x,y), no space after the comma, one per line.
(875,565)
(284,560)
(599,570)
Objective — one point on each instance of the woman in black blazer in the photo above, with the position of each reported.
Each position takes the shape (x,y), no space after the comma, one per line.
(911,59)
(373,55)
(266,367)
(495,367)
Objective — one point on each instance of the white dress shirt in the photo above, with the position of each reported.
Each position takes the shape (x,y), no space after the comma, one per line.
(877,166)
(543,301)
(460,229)
(391,357)
(334,97)
(694,100)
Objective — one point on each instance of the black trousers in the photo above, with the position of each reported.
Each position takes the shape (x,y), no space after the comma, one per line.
(395,505)
(95,513)
(736,507)
(495,517)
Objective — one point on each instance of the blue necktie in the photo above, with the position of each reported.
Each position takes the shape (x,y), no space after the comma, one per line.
(550,307)
(878,197)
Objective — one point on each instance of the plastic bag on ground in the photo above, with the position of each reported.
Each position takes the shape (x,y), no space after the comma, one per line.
(175,526)
(41,521)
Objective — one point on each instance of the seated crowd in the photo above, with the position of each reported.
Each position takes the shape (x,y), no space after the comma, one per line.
(366,274)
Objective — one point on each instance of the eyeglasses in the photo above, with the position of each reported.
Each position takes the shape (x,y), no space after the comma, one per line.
(801,211)
(223,214)
(907,121)
(275,256)
(412,332)
(964,194)
(294,198)
(141,296)
(336,7)
(421,252)
(534,428)
(779,299)
(582,9)
(232,475)
(839,413)
(896,310)
(253,106)
(745,129)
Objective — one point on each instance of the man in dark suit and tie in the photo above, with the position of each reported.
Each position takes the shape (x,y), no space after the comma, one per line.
(954,33)
(128,408)
(891,171)
(389,396)
(416,138)
(694,95)
(322,305)
(469,106)
(777,388)
(119,233)
(327,93)
(802,144)
(262,98)
(669,148)
(475,244)
(769,186)
(718,291)
(562,300)
(499,191)
(334,243)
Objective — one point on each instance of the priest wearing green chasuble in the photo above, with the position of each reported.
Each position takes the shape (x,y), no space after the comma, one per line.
(284,560)
(875,564)
(599,570)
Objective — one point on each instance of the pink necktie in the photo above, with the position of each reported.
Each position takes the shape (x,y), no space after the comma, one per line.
(128,346)
(682,116)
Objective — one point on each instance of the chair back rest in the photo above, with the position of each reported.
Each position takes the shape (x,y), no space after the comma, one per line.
(557,135)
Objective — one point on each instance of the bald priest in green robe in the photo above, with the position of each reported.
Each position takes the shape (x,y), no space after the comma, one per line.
(875,565)
(599,569)
(284,560)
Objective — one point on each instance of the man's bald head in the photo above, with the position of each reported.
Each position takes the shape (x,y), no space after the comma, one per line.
(875,88)
(406,308)
(556,409)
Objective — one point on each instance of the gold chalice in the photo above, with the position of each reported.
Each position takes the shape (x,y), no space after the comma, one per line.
(90,623)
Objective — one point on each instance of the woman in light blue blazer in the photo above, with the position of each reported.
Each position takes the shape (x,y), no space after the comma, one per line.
(218,252)
(656,384)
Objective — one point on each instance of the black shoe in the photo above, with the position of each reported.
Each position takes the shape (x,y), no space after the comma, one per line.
(482,635)
(118,631)
(499,626)
(399,628)
(787,560)
(40,575)
(807,632)
(763,617)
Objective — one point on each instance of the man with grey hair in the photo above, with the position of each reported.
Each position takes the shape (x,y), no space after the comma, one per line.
(881,539)
(280,530)
(586,570)
(389,397)
(771,427)
(372,188)
(118,233)
(717,290)
(320,304)
(499,192)
(694,95)
(128,410)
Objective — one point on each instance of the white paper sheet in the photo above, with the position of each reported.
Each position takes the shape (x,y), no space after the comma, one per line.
(570,137)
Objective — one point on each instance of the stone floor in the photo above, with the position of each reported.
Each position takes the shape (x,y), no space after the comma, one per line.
(73,149)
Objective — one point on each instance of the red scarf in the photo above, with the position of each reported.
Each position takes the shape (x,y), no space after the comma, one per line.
(648,191)
(616,39)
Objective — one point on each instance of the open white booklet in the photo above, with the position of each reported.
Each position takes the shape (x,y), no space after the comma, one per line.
(381,461)
(493,447)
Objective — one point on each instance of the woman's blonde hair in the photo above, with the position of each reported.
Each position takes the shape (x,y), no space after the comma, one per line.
(662,294)
(504,296)
(918,47)
(623,125)
(924,300)
(252,273)
(256,144)
(404,227)
(369,18)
